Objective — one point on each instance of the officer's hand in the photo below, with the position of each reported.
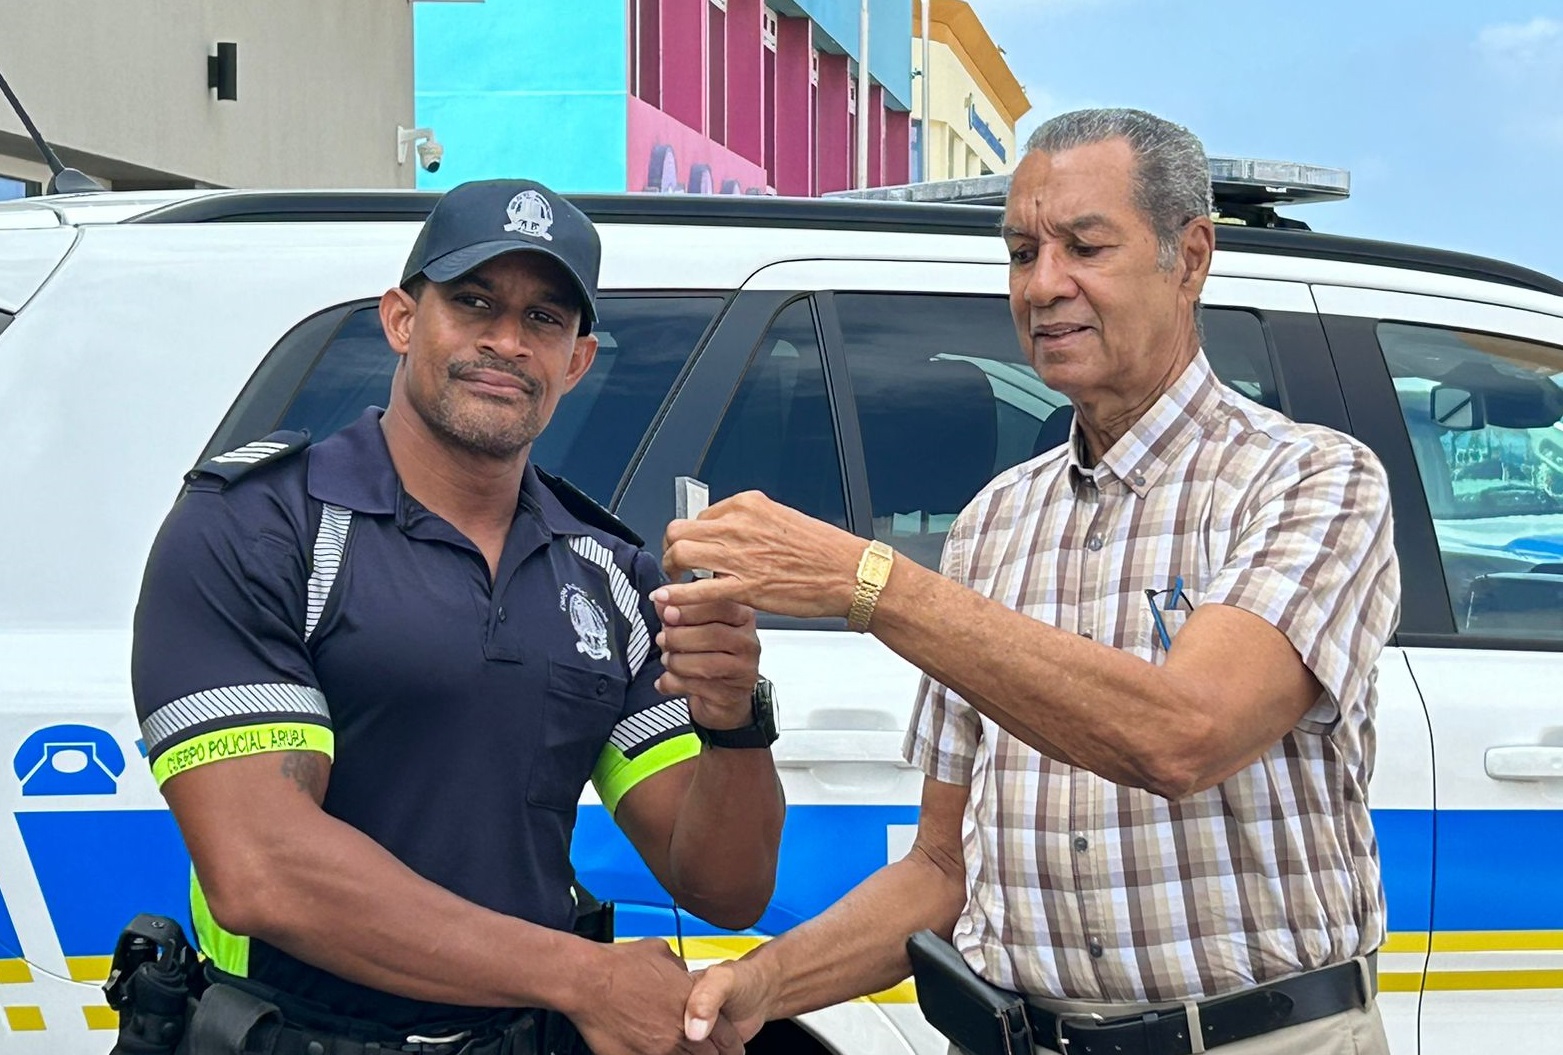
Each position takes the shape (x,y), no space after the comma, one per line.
(738,992)
(637,1006)
(763,554)
(711,653)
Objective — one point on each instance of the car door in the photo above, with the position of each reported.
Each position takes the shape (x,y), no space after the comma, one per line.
(880,395)
(1462,399)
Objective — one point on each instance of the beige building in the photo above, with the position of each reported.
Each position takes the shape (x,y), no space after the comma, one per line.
(974,99)
(120,90)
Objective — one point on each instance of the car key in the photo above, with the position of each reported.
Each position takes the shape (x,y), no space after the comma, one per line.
(690,498)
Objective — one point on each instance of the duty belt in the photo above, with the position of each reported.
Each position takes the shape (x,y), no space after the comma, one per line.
(1221,1020)
(231,1021)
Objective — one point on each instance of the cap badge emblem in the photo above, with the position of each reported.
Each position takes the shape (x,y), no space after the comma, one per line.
(589,620)
(530,214)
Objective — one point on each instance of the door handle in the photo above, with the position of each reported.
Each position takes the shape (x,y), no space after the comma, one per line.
(1525,762)
(807,748)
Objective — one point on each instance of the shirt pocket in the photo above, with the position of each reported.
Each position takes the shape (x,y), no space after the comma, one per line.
(582,708)
(1153,624)
(1173,621)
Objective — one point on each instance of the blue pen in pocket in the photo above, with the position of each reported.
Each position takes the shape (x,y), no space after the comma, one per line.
(1161,625)
(1174,594)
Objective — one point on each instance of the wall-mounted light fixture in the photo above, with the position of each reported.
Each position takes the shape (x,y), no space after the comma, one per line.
(222,70)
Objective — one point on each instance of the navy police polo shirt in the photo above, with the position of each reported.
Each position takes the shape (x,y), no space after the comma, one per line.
(298,598)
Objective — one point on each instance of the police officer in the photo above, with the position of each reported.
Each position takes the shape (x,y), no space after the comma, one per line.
(374,675)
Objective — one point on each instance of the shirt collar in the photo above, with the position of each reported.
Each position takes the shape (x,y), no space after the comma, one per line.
(1144,453)
(352,468)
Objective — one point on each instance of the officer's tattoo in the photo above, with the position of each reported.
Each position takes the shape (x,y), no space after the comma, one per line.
(308,770)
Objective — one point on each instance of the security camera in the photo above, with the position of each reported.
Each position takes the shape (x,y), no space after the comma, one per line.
(430,152)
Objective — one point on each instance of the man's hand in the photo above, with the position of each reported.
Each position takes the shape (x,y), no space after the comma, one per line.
(738,992)
(636,1004)
(765,555)
(711,655)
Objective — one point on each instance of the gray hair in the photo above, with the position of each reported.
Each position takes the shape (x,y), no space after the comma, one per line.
(1172,173)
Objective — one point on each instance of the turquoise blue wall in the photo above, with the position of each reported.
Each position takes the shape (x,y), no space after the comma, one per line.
(889,37)
(532,89)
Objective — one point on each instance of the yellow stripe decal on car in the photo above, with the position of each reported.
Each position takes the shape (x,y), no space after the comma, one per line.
(101,1017)
(24,1019)
(15,972)
(1446,981)
(88,968)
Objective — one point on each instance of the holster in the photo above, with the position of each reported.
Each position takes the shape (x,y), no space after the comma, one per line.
(153,979)
(593,918)
(976,1016)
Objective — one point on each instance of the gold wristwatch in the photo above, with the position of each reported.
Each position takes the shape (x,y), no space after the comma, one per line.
(873,571)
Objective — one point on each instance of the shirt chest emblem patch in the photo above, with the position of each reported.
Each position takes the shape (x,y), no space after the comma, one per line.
(588,619)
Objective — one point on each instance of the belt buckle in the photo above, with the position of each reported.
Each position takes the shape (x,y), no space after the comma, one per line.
(427,1043)
(1062,1042)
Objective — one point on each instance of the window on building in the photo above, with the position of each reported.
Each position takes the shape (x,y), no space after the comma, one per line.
(852,109)
(11,189)
(768,102)
(716,71)
(643,344)
(814,151)
(646,50)
(778,435)
(1485,417)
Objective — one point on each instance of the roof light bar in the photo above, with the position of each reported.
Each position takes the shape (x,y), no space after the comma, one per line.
(1245,190)
(1255,181)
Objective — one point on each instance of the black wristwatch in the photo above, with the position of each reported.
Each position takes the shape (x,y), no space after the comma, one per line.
(761,730)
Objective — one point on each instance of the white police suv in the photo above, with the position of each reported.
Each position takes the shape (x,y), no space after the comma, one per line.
(854,359)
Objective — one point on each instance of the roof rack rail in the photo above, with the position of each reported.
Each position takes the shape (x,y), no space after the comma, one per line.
(718,210)
(1346,250)
(684,209)
(322,206)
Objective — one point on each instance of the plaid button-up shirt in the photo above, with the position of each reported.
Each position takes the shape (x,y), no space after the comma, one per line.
(1082,888)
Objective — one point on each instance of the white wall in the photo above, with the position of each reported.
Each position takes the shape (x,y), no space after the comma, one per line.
(119,89)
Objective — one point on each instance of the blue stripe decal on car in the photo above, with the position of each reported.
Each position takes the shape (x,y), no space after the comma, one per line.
(1499,870)
(99,868)
(10,944)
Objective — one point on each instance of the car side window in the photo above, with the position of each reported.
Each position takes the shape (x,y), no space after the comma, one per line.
(946,400)
(1485,418)
(643,343)
(778,435)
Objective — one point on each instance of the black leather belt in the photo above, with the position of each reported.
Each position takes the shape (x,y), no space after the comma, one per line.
(1224,1019)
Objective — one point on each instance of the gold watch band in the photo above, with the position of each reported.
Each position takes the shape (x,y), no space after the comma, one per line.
(873,571)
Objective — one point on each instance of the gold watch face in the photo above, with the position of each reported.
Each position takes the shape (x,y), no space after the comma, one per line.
(875,567)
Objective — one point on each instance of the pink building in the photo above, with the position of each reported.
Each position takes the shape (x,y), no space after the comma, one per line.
(741,96)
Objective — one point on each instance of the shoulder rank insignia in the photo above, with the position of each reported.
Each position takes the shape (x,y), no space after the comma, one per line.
(585,508)
(224,469)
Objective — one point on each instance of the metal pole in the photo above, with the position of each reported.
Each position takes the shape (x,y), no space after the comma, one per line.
(862,97)
(923,133)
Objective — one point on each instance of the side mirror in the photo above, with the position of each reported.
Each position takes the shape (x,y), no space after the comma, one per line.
(1455,409)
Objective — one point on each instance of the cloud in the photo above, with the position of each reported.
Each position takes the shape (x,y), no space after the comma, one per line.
(1526,43)
(1524,68)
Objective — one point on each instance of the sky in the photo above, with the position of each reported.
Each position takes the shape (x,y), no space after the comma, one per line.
(1448,113)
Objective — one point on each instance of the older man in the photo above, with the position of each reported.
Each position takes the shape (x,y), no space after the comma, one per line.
(1147,716)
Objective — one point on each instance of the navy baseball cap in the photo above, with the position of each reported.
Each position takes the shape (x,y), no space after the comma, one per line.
(476,222)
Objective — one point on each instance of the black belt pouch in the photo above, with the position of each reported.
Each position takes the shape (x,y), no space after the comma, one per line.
(978,1018)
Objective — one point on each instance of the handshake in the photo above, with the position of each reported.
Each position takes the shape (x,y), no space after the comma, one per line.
(643,1001)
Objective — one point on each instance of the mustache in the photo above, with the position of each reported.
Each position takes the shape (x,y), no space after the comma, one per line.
(459,370)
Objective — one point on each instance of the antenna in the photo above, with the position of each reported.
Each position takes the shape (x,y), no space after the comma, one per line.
(65,180)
